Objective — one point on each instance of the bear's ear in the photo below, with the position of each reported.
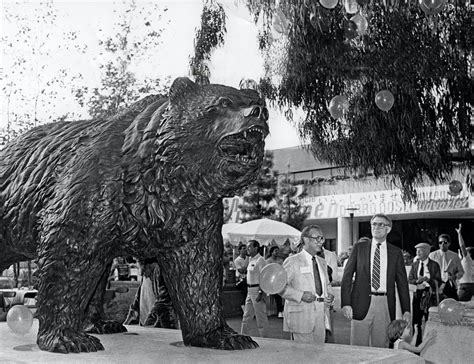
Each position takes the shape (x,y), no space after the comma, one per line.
(180,87)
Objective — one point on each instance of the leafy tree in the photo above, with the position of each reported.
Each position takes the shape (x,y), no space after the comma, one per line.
(289,208)
(420,55)
(259,196)
(269,198)
(208,37)
(31,42)
(136,36)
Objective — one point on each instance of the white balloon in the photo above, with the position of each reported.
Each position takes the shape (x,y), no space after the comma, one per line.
(329,4)
(361,22)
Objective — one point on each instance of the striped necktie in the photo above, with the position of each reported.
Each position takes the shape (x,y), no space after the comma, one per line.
(317,278)
(376,269)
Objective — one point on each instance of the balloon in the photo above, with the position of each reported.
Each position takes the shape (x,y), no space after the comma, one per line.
(338,106)
(19,319)
(384,100)
(361,22)
(451,311)
(431,7)
(329,4)
(455,188)
(351,6)
(350,29)
(273,278)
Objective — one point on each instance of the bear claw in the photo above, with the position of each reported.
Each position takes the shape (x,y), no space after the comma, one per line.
(69,343)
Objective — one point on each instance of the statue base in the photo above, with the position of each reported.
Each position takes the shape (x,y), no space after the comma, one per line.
(149,345)
(454,343)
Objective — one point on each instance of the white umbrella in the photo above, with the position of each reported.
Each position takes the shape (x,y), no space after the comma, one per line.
(265,231)
(226,228)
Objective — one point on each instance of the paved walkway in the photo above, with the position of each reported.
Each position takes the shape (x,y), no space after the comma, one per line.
(342,326)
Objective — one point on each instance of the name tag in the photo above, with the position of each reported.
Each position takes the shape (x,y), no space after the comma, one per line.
(306,269)
(251,267)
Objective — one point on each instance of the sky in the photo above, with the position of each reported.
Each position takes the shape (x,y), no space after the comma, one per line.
(239,57)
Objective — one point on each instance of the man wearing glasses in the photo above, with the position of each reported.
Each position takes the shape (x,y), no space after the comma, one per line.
(308,293)
(451,267)
(369,300)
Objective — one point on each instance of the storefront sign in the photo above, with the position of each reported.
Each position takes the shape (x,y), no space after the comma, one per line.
(430,198)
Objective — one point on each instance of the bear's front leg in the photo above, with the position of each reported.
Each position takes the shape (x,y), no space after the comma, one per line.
(193,275)
(68,278)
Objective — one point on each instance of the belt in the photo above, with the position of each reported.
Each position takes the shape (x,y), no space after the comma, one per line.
(319,299)
(378,293)
(252,285)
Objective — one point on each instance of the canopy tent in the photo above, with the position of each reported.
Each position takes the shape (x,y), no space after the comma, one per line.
(226,228)
(265,231)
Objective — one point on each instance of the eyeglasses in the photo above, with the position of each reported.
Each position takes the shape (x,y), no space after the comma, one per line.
(379,224)
(443,242)
(318,238)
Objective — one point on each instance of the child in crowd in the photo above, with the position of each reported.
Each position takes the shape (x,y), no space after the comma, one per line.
(399,335)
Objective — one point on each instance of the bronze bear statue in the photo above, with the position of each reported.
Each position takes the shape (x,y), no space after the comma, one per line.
(146,182)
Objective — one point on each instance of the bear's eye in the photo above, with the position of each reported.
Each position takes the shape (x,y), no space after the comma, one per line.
(225,102)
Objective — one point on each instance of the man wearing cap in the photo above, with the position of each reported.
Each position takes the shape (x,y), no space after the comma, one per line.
(308,292)
(369,300)
(426,275)
(450,265)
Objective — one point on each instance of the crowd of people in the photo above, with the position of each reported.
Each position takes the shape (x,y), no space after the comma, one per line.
(374,273)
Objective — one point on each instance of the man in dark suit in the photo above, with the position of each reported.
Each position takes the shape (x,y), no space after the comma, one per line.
(369,300)
(426,274)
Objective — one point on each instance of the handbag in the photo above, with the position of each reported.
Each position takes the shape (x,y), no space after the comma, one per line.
(428,299)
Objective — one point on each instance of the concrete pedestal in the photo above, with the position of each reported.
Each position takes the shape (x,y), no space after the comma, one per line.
(453,343)
(147,345)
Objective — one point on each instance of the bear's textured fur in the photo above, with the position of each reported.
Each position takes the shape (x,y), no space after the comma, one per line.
(148,182)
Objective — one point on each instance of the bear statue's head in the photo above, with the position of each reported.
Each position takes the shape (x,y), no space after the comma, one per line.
(212,135)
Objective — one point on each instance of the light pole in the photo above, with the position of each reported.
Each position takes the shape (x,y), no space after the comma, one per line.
(351,215)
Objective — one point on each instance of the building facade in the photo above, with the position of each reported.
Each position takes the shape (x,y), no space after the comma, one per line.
(343,205)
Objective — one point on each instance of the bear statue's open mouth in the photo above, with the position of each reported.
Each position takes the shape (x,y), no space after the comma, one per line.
(245,147)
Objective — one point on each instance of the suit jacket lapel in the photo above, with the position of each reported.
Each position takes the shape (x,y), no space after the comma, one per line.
(309,277)
(390,260)
(416,265)
(367,248)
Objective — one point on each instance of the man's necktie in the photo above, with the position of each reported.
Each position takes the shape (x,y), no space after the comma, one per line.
(317,278)
(422,270)
(444,267)
(376,268)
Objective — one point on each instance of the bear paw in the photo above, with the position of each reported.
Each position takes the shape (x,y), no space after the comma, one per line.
(223,338)
(70,342)
(105,327)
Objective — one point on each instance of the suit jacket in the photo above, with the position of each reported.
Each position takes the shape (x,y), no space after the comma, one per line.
(433,268)
(356,293)
(299,316)
(455,266)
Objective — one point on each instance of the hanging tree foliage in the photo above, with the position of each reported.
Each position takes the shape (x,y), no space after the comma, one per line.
(421,55)
(208,37)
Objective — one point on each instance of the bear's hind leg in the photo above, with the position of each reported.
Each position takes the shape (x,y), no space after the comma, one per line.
(96,323)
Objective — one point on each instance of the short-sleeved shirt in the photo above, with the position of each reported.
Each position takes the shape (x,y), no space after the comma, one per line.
(256,264)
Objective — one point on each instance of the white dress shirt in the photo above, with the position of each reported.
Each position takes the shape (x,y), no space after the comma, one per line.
(426,273)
